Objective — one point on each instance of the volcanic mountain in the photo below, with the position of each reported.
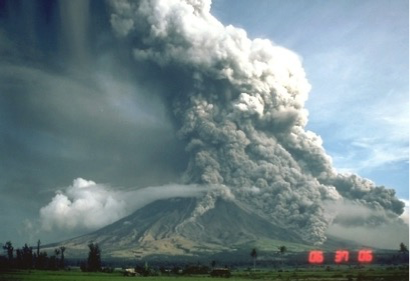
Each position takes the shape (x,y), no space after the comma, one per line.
(237,105)
(166,227)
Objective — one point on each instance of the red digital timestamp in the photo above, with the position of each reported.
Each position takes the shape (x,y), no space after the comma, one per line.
(340,256)
(316,257)
(365,256)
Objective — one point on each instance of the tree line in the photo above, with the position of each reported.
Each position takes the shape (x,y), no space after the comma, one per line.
(28,258)
(33,258)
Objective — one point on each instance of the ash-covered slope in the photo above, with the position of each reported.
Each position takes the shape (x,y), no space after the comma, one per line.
(166,227)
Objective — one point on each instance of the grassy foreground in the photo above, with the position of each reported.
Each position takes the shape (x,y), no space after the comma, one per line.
(301,274)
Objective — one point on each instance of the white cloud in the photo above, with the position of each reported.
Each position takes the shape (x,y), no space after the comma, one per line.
(86,205)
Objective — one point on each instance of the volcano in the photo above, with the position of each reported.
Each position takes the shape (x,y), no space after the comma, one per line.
(167,228)
(200,104)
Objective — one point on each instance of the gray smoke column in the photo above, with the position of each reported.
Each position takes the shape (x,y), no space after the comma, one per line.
(239,106)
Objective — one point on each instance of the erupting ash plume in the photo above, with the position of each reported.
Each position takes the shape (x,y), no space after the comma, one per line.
(239,106)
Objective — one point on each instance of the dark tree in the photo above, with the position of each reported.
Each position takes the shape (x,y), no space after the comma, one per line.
(403,248)
(25,256)
(41,261)
(213,264)
(4,263)
(19,258)
(282,249)
(8,247)
(52,263)
(38,248)
(254,256)
(62,250)
(94,258)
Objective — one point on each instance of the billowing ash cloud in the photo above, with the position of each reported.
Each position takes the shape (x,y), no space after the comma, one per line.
(368,226)
(405,215)
(239,106)
(86,205)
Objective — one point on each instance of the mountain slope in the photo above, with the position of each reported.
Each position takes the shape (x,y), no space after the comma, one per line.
(165,227)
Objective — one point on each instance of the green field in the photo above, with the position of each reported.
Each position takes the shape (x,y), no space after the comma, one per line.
(301,274)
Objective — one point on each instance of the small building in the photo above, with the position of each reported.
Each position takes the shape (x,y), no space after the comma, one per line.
(130,272)
(221,272)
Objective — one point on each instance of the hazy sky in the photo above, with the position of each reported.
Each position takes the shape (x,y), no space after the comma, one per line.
(70,107)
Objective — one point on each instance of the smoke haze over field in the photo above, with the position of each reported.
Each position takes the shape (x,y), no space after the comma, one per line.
(146,93)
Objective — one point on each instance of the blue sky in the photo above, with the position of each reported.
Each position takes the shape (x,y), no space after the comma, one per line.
(356,57)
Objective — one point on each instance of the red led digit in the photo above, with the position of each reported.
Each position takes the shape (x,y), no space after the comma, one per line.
(365,256)
(341,256)
(315,257)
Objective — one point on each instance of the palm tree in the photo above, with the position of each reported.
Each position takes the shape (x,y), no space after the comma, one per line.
(282,250)
(8,247)
(254,256)
(94,257)
(62,249)
(38,247)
